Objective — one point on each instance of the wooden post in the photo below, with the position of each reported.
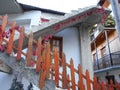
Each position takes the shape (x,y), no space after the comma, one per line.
(56,68)
(80,82)
(64,73)
(117,86)
(39,56)
(48,61)
(68,79)
(29,52)
(2,28)
(42,79)
(111,85)
(43,71)
(95,83)
(11,39)
(72,74)
(103,86)
(20,43)
(88,80)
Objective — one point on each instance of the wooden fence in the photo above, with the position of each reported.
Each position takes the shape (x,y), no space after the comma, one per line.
(47,64)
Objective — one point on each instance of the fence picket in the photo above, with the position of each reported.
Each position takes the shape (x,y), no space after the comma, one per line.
(56,66)
(111,85)
(68,79)
(29,51)
(20,43)
(72,74)
(64,73)
(39,57)
(48,61)
(88,80)
(42,79)
(95,83)
(80,82)
(2,28)
(117,85)
(11,39)
(103,86)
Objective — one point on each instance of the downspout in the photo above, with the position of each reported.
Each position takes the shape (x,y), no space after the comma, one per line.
(96,55)
(108,46)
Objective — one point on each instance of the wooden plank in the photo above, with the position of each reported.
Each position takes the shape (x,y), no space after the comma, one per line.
(117,85)
(64,73)
(39,57)
(29,52)
(2,28)
(111,85)
(68,78)
(88,80)
(80,83)
(48,61)
(21,39)
(11,39)
(103,86)
(72,74)
(42,79)
(56,66)
(95,83)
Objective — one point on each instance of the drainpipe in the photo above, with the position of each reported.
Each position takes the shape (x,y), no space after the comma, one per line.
(96,55)
(108,46)
(116,11)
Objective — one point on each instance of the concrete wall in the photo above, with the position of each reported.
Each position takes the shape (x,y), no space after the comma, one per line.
(6,82)
(31,18)
(86,59)
(115,72)
(71,45)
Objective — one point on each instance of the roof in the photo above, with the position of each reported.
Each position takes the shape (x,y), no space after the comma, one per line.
(9,7)
(87,17)
(13,7)
(28,8)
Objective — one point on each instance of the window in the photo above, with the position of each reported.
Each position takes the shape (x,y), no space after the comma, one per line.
(56,42)
(103,51)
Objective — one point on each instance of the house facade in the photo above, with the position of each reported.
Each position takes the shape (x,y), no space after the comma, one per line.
(70,34)
(105,54)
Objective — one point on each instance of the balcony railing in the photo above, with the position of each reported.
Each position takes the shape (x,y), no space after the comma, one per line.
(110,60)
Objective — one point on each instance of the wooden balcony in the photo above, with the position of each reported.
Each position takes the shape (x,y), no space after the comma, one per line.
(107,61)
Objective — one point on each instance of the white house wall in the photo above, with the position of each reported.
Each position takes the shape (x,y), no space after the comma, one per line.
(31,18)
(115,72)
(50,16)
(71,44)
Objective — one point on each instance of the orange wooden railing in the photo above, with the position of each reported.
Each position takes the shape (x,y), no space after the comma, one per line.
(50,66)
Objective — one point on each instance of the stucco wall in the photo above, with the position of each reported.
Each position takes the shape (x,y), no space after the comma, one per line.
(71,44)
(50,16)
(115,72)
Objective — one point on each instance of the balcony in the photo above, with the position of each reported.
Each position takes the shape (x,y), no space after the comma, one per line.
(107,61)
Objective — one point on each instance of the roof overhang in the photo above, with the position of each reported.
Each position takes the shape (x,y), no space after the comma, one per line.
(87,16)
(9,7)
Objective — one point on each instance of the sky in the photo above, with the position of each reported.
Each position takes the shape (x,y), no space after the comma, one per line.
(60,5)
